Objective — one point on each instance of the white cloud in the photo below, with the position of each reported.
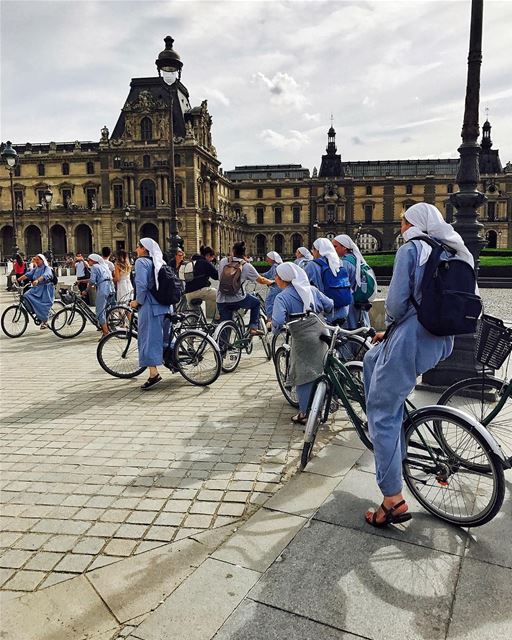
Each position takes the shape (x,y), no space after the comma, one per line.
(216,96)
(284,90)
(293,140)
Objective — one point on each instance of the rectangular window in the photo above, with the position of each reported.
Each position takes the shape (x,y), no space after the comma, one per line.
(91,198)
(278,215)
(40,197)
(331,213)
(237,194)
(259,193)
(40,169)
(296,215)
(66,197)
(491,211)
(18,199)
(179,194)
(368,213)
(278,193)
(449,212)
(369,190)
(296,192)
(260,213)
(118,196)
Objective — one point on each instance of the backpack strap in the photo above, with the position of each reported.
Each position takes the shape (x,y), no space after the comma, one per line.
(431,265)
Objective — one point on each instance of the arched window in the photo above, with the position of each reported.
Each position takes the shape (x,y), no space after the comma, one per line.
(296,241)
(367,243)
(492,239)
(146,129)
(65,169)
(177,160)
(33,240)
(40,169)
(449,188)
(146,162)
(89,168)
(408,189)
(147,194)
(83,239)
(59,240)
(261,244)
(278,243)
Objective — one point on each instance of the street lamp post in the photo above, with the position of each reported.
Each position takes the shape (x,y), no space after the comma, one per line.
(461,364)
(11,159)
(127,212)
(48,196)
(169,67)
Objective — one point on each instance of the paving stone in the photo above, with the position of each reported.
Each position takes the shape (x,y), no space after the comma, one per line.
(482,608)
(303,494)
(119,547)
(31,541)
(74,563)
(5,574)
(134,531)
(89,545)
(103,529)
(231,509)
(164,534)
(255,621)
(201,604)
(141,517)
(169,519)
(14,559)
(43,561)
(197,521)
(60,543)
(25,580)
(204,507)
(403,585)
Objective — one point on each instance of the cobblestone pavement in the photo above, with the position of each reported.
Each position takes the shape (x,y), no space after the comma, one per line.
(93,470)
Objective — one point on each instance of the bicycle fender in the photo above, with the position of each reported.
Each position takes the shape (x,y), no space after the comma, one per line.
(451,411)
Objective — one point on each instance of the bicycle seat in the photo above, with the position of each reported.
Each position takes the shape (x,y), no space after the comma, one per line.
(195,302)
(364,306)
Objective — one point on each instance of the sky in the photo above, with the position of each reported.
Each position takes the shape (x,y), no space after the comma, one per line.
(391,73)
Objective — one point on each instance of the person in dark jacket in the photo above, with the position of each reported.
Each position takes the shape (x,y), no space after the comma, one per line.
(197,283)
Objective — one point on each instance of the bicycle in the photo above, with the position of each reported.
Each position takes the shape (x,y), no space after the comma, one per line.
(453,466)
(351,346)
(192,353)
(487,398)
(15,318)
(70,321)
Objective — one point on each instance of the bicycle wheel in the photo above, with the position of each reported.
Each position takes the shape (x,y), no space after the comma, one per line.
(228,338)
(355,398)
(278,339)
(118,317)
(480,397)
(282,364)
(352,348)
(68,323)
(316,411)
(440,477)
(238,319)
(56,306)
(14,321)
(118,354)
(197,358)
(266,337)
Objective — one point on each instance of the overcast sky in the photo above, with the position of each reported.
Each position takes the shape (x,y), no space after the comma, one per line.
(392,73)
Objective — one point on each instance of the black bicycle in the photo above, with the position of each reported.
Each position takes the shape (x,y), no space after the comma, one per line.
(15,318)
(190,352)
(70,321)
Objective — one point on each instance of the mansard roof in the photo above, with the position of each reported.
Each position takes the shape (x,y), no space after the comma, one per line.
(401,168)
(57,147)
(267,172)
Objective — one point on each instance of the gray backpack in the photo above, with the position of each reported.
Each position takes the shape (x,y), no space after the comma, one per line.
(230,281)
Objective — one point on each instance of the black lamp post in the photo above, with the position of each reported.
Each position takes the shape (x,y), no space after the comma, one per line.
(11,159)
(461,364)
(169,67)
(48,196)
(127,211)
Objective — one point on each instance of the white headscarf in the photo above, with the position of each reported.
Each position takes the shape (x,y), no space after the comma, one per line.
(273,255)
(95,257)
(43,258)
(347,241)
(290,272)
(156,254)
(102,263)
(327,250)
(305,252)
(427,219)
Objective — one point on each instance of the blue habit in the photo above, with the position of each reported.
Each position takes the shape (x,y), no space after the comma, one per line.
(314,273)
(42,295)
(101,278)
(392,367)
(150,338)
(356,317)
(272,291)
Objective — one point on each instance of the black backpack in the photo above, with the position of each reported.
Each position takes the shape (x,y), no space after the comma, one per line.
(170,288)
(55,279)
(449,305)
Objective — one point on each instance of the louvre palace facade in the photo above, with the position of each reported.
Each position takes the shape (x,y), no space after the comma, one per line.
(116,190)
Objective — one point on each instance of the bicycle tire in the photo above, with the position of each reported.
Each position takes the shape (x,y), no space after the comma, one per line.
(430,477)
(191,320)
(315,413)
(353,348)
(118,317)
(57,305)
(278,339)
(228,337)
(114,357)
(14,316)
(266,337)
(68,323)
(281,364)
(476,396)
(361,424)
(197,358)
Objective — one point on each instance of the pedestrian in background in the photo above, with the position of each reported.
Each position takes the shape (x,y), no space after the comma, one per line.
(101,279)
(121,277)
(42,293)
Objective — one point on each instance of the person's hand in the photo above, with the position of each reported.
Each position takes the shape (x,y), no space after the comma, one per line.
(378,337)
(134,304)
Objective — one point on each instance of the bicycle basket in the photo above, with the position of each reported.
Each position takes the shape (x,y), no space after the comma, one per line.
(493,342)
(67,296)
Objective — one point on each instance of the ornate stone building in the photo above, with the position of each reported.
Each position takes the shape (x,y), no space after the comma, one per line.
(116,190)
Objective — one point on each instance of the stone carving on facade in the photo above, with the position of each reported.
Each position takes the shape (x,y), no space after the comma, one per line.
(315,172)
(163,127)
(104,134)
(189,132)
(508,167)
(129,128)
(53,146)
(78,146)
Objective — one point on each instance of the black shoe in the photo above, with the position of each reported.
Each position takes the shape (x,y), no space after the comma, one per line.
(150,382)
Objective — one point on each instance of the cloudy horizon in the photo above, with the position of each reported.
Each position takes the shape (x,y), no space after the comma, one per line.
(392,73)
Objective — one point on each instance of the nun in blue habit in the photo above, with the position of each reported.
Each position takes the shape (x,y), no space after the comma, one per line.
(323,250)
(101,279)
(302,257)
(392,367)
(352,259)
(42,293)
(152,328)
(274,259)
(307,354)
